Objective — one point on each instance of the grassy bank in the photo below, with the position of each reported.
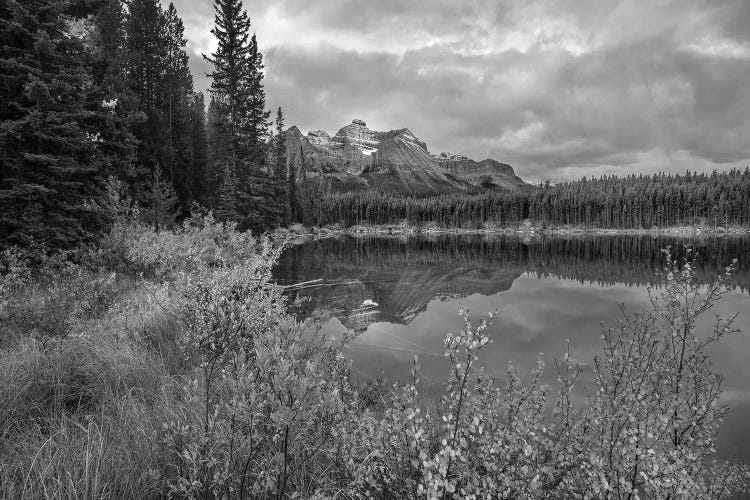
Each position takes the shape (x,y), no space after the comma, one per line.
(163,363)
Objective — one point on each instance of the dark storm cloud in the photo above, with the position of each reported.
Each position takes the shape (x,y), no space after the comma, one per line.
(558,88)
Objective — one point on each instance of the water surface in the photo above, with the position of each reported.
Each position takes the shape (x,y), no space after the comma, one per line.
(401,297)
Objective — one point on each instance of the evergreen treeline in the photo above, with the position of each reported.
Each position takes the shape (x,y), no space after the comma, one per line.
(607,202)
(98,90)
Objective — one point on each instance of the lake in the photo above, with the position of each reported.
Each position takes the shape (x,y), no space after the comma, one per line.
(401,297)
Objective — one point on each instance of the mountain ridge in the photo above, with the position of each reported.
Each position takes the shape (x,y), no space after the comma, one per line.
(357,158)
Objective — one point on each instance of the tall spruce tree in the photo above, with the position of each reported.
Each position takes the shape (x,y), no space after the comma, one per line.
(280,178)
(158,75)
(292,192)
(143,44)
(175,102)
(199,147)
(219,155)
(108,41)
(53,152)
(237,89)
(162,202)
(226,208)
(229,87)
(261,205)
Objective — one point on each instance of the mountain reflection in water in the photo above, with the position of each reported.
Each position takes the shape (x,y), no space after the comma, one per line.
(401,297)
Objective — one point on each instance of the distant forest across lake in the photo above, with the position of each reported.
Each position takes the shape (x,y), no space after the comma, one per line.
(642,201)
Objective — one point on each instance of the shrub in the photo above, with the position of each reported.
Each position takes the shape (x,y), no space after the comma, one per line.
(192,381)
(53,300)
(298,228)
(647,427)
(200,241)
(263,395)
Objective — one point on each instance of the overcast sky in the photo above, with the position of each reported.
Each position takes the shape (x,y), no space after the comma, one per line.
(557,88)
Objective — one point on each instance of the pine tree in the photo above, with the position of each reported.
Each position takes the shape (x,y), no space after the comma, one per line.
(280,177)
(162,202)
(53,153)
(108,39)
(237,89)
(258,118)
(175,98)
(292,192)
(142,50)
(229,94)
(199,146)
(230,77)
(219,155)
(158,75)
(226,210)
(258,187)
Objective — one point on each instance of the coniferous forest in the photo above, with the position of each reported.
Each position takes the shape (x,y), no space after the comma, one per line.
(97,95)
(662,200)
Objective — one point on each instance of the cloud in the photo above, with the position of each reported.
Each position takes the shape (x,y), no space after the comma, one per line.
(557,88)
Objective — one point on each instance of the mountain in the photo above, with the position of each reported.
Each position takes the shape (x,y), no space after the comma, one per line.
(357,158)
(486,173)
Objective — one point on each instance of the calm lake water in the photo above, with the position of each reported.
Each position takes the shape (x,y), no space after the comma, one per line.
(401,297)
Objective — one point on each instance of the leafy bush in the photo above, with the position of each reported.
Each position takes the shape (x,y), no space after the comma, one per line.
(199,242)
(297,228)
(647,428)
(52,300)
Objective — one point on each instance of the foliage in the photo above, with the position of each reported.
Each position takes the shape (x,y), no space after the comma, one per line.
(49,304)
(93,90)
(254,404)
(161,209)
(199,242)
(55,128)
(240,121)
(281,180)
(646,430)
(169,122)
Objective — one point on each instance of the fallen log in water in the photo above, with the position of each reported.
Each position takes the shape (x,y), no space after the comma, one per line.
(318,283)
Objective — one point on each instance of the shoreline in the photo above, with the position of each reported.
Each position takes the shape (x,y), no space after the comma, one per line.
(525,231)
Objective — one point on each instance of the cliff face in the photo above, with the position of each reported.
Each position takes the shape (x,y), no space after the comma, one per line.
(403,164)
(485,174)
(357,158)
(350,150)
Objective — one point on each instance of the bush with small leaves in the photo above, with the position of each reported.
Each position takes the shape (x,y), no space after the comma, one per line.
(646,429)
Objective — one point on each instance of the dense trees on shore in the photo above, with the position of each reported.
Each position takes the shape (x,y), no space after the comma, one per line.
(101,90)
(608,202)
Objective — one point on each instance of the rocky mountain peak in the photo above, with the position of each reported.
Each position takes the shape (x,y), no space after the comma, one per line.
(357,136)
(397,160)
